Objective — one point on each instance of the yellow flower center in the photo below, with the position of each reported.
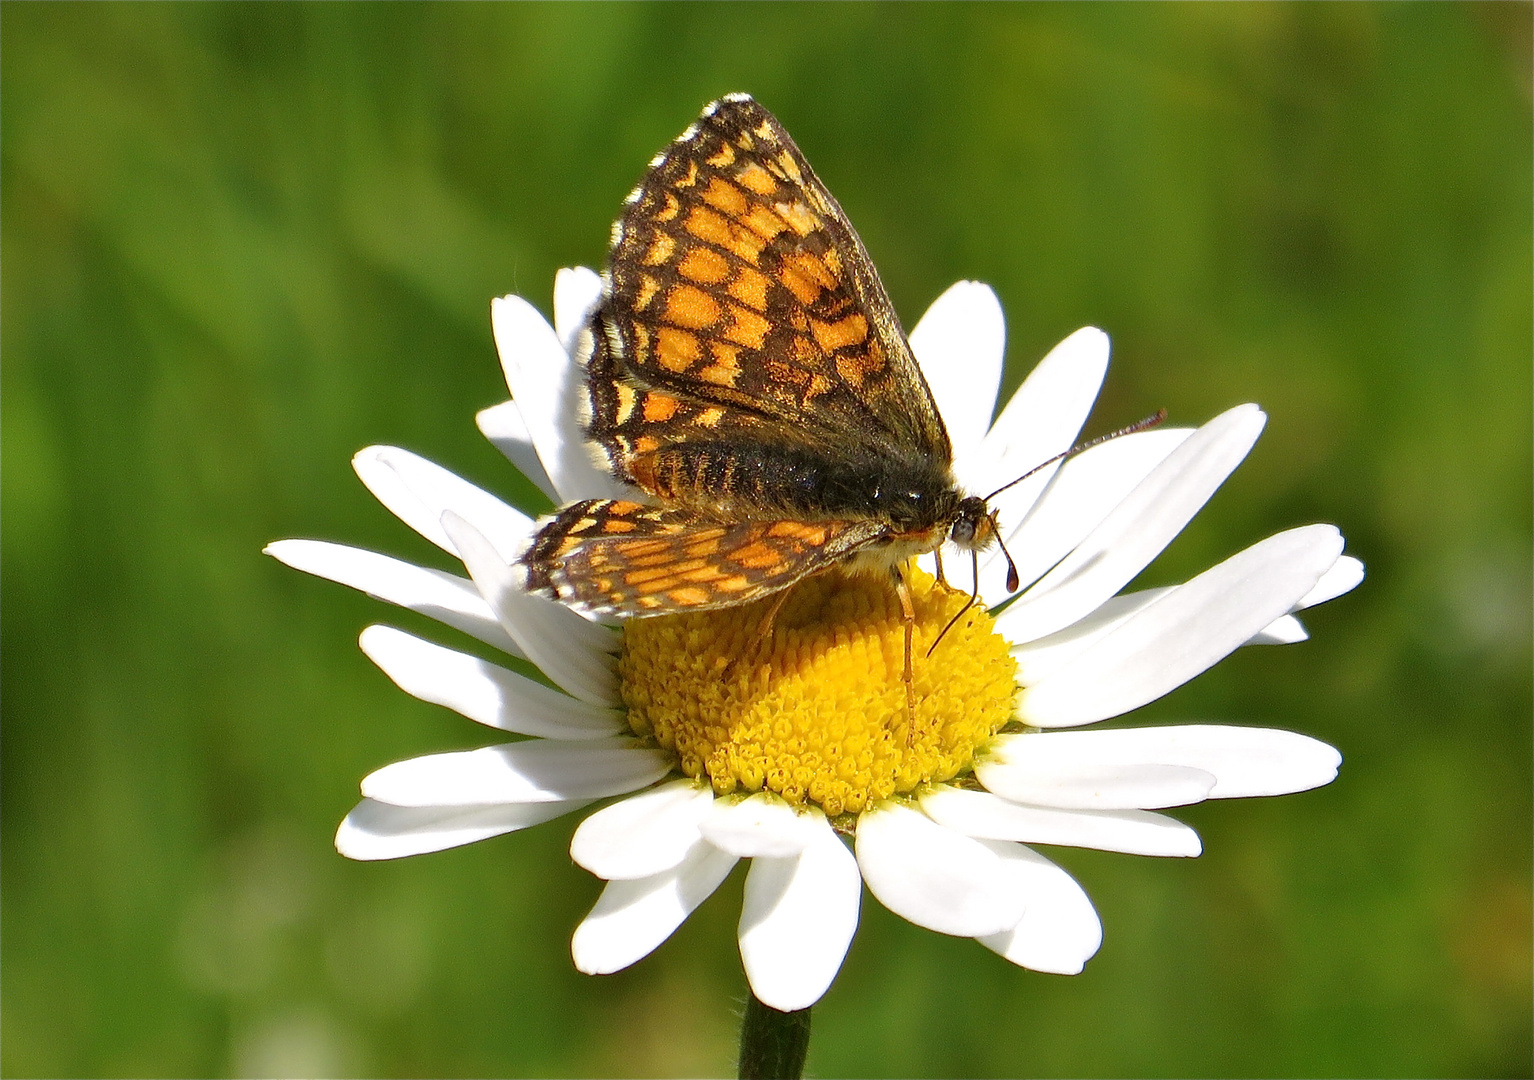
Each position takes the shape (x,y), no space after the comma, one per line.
(816,710)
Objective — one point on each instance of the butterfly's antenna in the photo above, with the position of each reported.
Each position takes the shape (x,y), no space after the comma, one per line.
(1012,579)
(1142,425)
(974,598)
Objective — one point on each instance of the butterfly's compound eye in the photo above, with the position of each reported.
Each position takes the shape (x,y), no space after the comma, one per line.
(971,528)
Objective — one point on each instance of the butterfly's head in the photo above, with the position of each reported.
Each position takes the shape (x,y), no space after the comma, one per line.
(974,528)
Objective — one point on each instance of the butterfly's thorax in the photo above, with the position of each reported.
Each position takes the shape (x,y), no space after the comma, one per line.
(761,482)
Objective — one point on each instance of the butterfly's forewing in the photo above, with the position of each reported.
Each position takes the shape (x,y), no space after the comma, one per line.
(626,558)
(740,305)
(744,361)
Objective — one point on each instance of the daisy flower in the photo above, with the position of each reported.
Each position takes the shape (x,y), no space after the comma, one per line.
(716,746)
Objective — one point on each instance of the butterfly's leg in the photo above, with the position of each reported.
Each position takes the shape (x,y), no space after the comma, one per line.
(974,558)
(763,633)
(908,614)
(937,557)
(764,628)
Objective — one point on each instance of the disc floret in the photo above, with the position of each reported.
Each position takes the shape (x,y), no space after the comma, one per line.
(815,709)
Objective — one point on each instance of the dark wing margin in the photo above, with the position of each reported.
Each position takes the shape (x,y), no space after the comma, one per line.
(740,304)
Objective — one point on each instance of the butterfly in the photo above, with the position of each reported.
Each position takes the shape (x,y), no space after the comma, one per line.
(746,375)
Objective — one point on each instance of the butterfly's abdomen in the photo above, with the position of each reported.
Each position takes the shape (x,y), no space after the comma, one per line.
(764,482)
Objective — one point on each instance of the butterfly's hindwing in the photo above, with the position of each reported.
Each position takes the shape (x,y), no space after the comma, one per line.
(627,558)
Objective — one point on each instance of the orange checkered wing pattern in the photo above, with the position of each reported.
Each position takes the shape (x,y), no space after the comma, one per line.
(741,307)
(616,557)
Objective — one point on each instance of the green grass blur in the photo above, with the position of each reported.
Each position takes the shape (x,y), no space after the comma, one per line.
(241,242)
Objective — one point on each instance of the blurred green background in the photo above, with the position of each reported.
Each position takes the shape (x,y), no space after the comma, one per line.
(240,242)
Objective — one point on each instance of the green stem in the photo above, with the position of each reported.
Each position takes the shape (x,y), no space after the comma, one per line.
(772,1043)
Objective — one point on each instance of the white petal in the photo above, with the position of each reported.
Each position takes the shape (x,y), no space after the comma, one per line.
(1092,785)
(483,691)
(933,876)
(985,816)
(534,771)
(445,597)
(503,425)
(631,918)
(797,919)
(1038,660)
(760,826)
(1081,495)
(1139,527)
(1284,630)
(645,833)
(577,290)
(418,492)
(1043,417)
(1184,632)
(959,343)
(1244,761)
(1060,931)
(571,651)
(545,383)
(375,830)
(1343,577)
